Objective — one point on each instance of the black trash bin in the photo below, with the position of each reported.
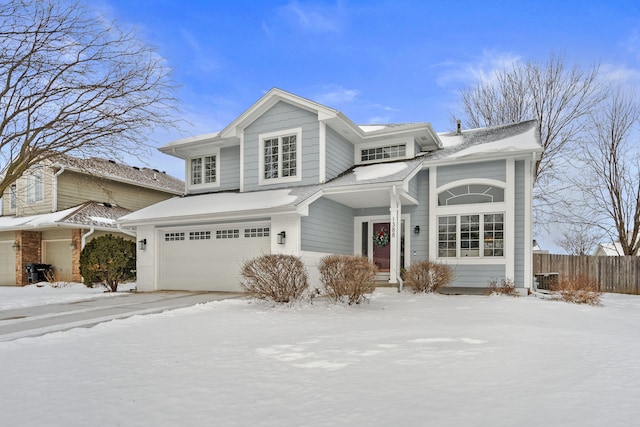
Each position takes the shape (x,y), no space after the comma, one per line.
(37,272)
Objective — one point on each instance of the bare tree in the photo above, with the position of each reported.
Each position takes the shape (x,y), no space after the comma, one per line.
(579,239)
(559,97)
(610,184)
(70,82)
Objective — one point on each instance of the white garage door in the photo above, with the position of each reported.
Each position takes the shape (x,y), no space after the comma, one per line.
(209,258)
(58,254)
(7,264)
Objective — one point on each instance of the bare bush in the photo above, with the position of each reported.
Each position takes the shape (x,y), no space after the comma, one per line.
(578,290)
(278,278)
(428,276)
(502,287)
(347,277)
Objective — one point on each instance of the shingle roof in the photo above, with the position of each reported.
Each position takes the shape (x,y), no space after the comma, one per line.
(145,177)
(92,214)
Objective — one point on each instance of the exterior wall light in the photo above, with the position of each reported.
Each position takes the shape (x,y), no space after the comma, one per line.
(142,244)
(281,237)
(72,246)
(416,229)
(15,246)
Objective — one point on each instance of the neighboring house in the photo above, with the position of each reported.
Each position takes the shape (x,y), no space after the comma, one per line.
(50,212)
(292,176)
(609,249)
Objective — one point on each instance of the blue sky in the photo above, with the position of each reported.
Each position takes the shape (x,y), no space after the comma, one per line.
(376,61)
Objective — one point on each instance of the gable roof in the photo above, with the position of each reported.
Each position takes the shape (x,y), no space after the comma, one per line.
(92,214)
(230,134)
(513,138)
(109,169)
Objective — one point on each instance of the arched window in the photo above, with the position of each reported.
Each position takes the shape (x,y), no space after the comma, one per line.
(471,194)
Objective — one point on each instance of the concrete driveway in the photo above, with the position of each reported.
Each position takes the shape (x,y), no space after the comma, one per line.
(44,319)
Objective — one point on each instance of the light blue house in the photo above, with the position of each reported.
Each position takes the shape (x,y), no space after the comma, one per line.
(292,176)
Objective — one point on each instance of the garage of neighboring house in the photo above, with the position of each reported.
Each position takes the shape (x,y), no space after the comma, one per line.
(209,258)
(7,263)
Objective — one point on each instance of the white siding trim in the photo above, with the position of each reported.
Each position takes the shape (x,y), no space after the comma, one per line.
(510,223)
(322,172)
(433,205)
(242,161)
(528,221)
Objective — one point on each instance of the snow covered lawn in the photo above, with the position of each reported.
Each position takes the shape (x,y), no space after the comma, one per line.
(401,360)
(43,294)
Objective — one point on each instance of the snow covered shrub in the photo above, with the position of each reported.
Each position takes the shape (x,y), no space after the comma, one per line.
(278,278)
(347,278)
(427,276)
(108,260)
(503,287)
(578,290)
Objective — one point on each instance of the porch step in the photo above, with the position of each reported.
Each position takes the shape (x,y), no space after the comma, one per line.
(385,284)
(459,290)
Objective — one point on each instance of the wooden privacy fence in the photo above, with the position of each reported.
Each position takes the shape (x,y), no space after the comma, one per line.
(620,274)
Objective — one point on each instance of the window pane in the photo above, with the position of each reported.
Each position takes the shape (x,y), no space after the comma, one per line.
(35,187)
(447,236)
(493,235)
(271,158)
(469,235)
(210,169)
(196,171)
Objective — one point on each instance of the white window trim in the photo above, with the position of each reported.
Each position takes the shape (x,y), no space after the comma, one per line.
(481,213)
(409,151)
(31,186)
(279,134)
(215,152)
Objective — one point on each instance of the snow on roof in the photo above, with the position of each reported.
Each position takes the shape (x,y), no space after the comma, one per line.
(381,170)
(499,139)
(215,203)
(145,177)
(611,249)
(371,128)
(89,214)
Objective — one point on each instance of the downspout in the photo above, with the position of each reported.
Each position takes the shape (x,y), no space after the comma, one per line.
(54,203)
(84,237)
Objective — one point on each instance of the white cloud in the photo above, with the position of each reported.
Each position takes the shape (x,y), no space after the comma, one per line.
(333,95)
(620,73)
(315,17)
(481,68)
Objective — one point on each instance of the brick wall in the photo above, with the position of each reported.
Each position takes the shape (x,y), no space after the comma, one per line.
(76,240)
(30,251)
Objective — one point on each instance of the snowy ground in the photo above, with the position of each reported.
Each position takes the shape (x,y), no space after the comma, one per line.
(44,293)
(401,360)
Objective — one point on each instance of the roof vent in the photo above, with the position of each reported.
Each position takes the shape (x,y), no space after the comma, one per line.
(112,161)
(136,168)
(106,204)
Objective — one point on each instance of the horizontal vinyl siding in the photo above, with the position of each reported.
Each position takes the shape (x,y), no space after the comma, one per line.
(328,228)
(22,207)
(339,153)
(75,189)
(281,117)
(229,168)
(519,225)
(477,276)
(496,169)
(419,216)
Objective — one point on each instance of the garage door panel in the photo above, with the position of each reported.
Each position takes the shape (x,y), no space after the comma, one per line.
(7,264)
(211,264)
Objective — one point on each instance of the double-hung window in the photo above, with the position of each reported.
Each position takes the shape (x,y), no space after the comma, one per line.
(35,186)
(204,171)
(280,157)
(13,196)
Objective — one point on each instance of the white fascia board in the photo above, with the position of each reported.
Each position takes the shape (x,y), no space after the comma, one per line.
(207,218)
(362,187)
(516,155)
(270,99)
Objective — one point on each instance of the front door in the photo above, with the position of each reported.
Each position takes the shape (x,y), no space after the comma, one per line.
(381,246)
